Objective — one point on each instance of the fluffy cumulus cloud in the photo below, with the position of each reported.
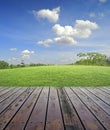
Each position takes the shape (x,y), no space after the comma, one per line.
(68,34)
(84,28)
(26,54)
(64,40)
(13,49)
(61,40)
(50,15)
(46,42)
(63,30)
(81,24)
(81,29)
(102,1)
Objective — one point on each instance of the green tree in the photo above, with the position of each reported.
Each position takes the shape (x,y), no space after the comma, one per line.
(81,55)
(92,58)
(3,65)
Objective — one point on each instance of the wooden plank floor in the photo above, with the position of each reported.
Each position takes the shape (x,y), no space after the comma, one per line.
(55,108)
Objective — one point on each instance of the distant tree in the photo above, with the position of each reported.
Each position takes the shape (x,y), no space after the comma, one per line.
(18,65)
(108,60)
(11,66)
(22,63)
(92,58)
(81,55)
(40,64)
(4,65)
(32,64)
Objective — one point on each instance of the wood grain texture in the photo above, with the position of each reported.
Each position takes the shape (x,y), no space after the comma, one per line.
(54,118)
(34,108)
(37,118)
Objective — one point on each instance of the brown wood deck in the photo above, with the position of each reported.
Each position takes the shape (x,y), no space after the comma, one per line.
(55,108)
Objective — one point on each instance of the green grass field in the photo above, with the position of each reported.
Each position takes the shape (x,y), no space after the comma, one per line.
(56,76)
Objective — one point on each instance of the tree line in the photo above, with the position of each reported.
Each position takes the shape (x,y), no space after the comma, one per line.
(6,65)
(91,58)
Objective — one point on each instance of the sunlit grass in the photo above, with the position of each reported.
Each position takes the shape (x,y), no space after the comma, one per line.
(56,76)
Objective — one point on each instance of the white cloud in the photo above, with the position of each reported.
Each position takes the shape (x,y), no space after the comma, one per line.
(50,15)
(102,1)
(67,34)
(81,24)
(65,40)
(63,30)
(26,54)
(13,59)
(46,42)
(97,15)
(82,29)
(13,49)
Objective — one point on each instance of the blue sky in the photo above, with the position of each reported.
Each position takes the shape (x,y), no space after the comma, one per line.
(53,31)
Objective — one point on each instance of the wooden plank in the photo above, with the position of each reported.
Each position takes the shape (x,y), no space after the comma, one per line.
(5,91)
(105,90)
(54,117)
(108,88)
(101,90)
(94,108)
(7,102)
(102,96)
(97,100)
(89,110)
(37,118)
(10,112)
(71,119)
(8,94)
(87,118)
(2,88)
(20,119)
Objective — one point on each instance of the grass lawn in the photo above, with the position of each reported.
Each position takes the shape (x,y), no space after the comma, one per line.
(56,76)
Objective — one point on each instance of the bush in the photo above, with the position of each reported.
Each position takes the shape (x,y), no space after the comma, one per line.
(4,65)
